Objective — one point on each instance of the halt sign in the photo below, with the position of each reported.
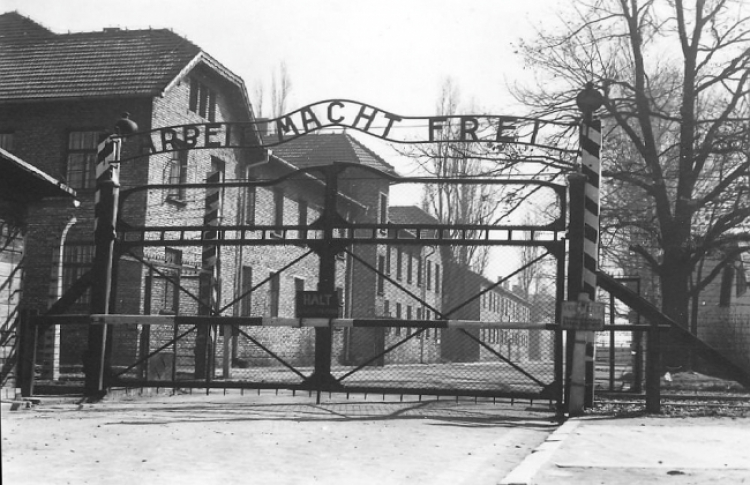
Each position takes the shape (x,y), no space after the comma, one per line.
(317,304)
(582,315)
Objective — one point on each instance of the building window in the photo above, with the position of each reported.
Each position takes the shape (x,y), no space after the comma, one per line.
(399,263)
(398,310)
(273,294)
(178,174)
(246,296)
(409,267)
(77,260)
(202,100)
(429,275)
(6,141)
(278,209)
(387,308)
(81,159)
(419,313)
(302,217)
(437,278)
(173,262)
(383,210)
(299,286)
(408,312)
(381,272)
(419,271)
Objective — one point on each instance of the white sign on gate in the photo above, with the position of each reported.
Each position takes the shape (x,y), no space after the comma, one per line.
(582,315)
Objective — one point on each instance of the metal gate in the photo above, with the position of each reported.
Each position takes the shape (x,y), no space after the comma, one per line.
(413,317)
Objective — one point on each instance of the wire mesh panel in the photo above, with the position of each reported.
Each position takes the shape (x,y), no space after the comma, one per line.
(483,360)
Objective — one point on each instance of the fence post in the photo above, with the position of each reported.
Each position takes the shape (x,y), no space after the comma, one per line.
(574,380)
(27,346)
(208,285)
(653,366)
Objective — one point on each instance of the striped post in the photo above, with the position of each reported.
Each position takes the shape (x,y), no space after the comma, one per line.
(105,215)
(584,250)
(591,142)
(209,288)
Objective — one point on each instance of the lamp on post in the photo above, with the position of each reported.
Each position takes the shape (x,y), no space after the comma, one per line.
(105,217)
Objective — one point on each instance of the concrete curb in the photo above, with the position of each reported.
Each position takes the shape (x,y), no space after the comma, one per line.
(525,471)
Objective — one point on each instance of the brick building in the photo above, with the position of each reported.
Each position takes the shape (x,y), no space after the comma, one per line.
(60,91)
(25,193)
(498,304)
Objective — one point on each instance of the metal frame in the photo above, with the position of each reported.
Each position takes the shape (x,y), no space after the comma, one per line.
(327,237)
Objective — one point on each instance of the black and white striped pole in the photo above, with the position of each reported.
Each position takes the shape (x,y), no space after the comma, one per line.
(584,249)
(105,217)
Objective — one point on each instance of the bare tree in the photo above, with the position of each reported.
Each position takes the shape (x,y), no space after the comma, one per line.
(259,95)
(676,80)
(457,203)
(281,86)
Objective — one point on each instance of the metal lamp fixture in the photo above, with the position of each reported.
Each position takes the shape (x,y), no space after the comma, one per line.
(125,126)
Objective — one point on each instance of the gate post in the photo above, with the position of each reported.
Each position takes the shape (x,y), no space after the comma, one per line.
(27,335)
(105,217)
(584,249)
(326,250)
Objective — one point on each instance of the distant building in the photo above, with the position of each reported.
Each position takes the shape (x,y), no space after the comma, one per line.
(496,304)
(722,310)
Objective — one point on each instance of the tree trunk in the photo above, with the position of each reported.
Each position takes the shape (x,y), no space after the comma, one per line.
(675,286)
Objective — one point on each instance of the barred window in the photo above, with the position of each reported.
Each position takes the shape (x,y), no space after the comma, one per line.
(274,294)
(245,295)
(77,260)
(381,272)
(81,159)
(171,295)
(178,170)
(202,100)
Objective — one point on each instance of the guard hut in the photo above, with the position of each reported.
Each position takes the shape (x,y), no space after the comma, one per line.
(26,195)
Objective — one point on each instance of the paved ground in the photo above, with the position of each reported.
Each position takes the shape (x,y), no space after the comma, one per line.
(289,439)
(270,439)
(649,450)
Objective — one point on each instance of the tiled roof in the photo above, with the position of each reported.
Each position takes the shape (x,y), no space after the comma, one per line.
(410,214)
(37,64)
(15,26)
(325,148)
